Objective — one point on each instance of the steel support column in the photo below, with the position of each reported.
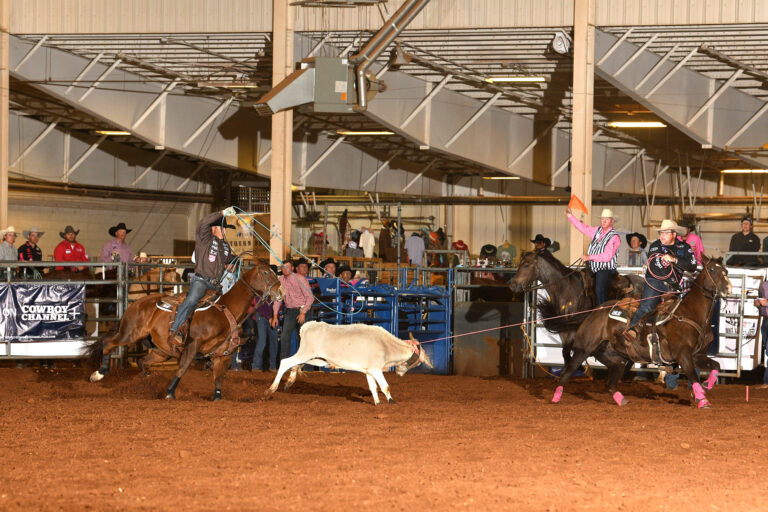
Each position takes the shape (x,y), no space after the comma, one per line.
(583,101)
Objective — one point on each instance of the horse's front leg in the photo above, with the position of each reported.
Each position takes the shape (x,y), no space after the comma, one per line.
(616,369)
(152,357)
(686,363)
(187,356)
(220,367)
(703,362)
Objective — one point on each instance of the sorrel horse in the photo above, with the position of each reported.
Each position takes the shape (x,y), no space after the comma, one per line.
(568,292)
(209,331)
(683,339)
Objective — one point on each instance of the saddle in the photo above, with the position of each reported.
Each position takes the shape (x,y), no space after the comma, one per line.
(624,309)
(171,303)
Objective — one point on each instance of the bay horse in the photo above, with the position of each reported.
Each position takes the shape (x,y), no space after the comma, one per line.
(682,339)
(209,332)
(568,291)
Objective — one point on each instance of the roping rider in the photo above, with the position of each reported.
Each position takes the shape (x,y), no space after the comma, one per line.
(668,257)
(212,254)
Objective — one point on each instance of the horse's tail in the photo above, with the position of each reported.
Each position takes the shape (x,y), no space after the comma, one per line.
(557,321)
(93,353)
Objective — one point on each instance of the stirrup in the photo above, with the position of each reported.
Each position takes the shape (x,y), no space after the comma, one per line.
(630,335)
(176,340)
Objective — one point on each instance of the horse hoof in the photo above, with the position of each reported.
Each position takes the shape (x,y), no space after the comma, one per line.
(558,395)
(96,376)
(703,404)
(217,395)
(170,396)
(619,399)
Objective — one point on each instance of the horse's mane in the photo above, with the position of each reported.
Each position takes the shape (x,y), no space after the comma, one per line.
(556,263)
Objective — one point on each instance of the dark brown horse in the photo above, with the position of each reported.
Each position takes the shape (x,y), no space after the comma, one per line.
(209,331)
(569,292)
(683,339)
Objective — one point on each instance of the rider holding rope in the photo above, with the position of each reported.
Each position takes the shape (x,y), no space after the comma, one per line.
(668,257)
(212,253)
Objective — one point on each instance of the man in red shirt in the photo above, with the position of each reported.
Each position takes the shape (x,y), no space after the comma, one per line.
(69,249)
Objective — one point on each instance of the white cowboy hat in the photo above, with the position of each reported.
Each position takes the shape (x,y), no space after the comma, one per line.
(9,229)
(33,229)
(607,213)
(668,225)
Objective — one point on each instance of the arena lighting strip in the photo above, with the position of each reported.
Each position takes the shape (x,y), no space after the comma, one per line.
(369,132)
(744,171)
(637,124)
(111,132)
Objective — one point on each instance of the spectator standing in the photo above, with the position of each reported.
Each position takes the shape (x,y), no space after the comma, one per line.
(258,331)
(69,249)
(540,242)
(762,305)
(689,236)
(29,250)
(744,241)
(603,250)
(636,255)
(329,267)
(298,300)
(415,247)
(7,251)
(116,249)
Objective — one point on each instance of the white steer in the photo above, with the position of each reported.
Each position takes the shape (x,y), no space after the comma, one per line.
(357,347)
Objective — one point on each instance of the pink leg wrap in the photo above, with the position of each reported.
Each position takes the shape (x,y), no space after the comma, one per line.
(619,398)
(698,392)
(558,395)
(710,382)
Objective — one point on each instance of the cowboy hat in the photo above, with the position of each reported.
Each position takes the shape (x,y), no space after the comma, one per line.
(342,269)
(607,213)
(68,229)
(488,251)
(668,225)
(327,261)
(747,218)
(222,223)
(33,229)
(300,261)
(9,229)
(459,245)
(643,240)
(120,225)
(542,238)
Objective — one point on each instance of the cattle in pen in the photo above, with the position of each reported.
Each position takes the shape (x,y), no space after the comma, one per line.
(357,347)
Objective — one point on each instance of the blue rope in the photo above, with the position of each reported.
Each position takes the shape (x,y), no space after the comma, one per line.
(264,243)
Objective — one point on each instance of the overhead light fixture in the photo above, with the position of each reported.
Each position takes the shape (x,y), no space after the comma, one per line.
(112,132)
(229,85)
(637,124)
(517,79)
(561,43)
(369,132)
(744,171)
(501,177)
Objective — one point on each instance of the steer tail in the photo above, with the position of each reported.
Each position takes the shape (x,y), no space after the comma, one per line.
(93,353)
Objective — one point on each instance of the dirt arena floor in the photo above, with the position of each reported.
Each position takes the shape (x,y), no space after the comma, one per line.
(450,443)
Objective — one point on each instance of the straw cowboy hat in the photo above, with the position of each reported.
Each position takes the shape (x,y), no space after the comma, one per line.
(121,225)
(9,229)
(68,229)
(668,225)
(33,229)
(607,213)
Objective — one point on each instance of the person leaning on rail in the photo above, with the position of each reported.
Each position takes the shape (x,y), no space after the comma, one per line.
(212,254)
(603,250)
(668,257)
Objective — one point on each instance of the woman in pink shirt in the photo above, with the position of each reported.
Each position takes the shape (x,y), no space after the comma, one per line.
(691,238)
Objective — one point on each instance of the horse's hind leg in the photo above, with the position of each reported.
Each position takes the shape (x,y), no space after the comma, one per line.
(152,357)
(220,366)
(578,358)
(187,356)
(616,369)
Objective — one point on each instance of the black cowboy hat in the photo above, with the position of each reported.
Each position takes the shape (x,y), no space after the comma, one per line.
(300,261)
(120,225)
(68,229)
(643,240)
(541,238)
(326,262)
(488,251)
(342,269)
(222,223)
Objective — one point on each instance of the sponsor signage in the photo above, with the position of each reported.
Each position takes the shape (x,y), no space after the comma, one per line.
(42,312)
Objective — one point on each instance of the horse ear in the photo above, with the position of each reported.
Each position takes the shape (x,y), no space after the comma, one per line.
(704,258)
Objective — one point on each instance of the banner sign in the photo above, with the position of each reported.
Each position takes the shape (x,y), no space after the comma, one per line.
(42,312)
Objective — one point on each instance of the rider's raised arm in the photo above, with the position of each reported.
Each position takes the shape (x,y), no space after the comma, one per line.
(204,228)
(587,230)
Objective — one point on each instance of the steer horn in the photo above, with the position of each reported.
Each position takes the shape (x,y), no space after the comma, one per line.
(423,357)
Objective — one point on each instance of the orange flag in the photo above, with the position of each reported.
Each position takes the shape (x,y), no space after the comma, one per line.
(576,204)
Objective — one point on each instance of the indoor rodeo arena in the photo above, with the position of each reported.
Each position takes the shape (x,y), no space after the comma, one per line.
(383,254)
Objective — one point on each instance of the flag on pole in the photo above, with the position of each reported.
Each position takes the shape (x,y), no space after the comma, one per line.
(576,204)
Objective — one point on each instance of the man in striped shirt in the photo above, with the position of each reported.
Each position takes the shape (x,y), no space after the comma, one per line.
(298,300)
(603,250)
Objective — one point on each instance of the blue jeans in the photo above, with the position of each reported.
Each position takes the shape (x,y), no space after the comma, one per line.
(197,288)
(764,334)
(290,325)
(602,282)
(651,298)
(264,333)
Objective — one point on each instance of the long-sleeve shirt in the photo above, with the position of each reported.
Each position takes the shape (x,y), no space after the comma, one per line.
(298,294)
(610,248)
(211,254)
(744,243)
(415,247)
(8,252)
(66,251)
(658,268)
(696,244)
(115,246)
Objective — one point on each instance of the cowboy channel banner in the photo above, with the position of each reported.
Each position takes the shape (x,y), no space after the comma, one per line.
(42,312)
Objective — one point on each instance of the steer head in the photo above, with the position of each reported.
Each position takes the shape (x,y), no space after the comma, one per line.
(418,357)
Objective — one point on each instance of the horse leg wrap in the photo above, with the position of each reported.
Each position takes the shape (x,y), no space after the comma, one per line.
(558,395)
(711,380)
(170,392)
(698,391)
(104,364)
(619,399)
